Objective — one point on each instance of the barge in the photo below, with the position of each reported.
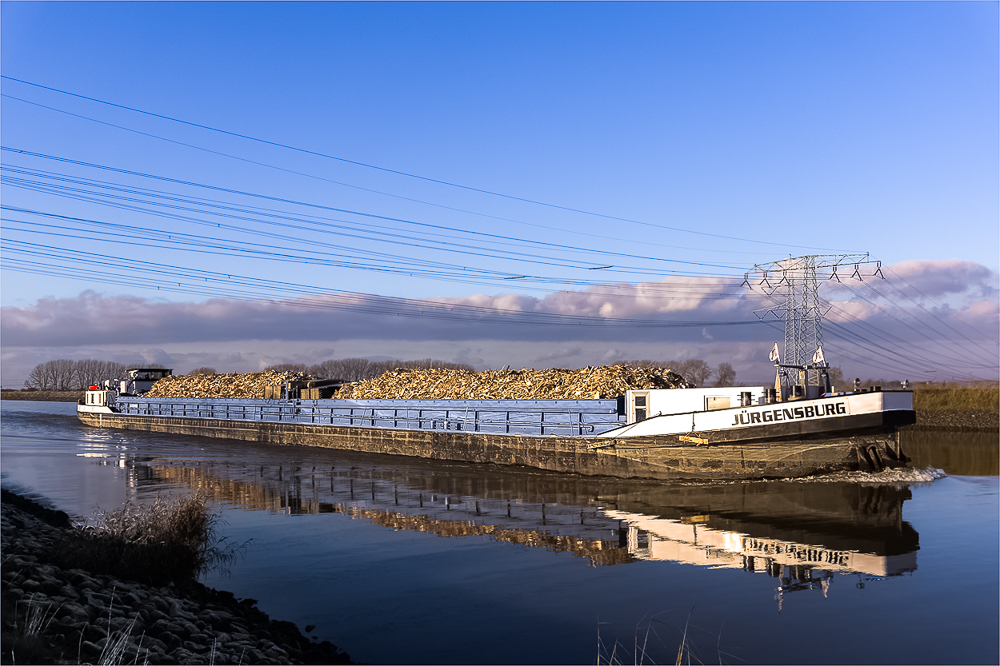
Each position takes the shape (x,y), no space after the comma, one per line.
(670,434)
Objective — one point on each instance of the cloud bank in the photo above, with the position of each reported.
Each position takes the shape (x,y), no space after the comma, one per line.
(923,308)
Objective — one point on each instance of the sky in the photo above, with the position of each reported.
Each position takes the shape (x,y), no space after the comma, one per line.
(236,185)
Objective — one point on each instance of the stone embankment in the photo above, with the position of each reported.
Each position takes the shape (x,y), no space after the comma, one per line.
(58,615)
(953,419)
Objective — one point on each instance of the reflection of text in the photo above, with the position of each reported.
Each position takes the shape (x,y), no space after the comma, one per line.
(794,551)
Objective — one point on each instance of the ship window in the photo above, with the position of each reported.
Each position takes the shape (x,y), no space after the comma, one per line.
(640,407)
(717,402)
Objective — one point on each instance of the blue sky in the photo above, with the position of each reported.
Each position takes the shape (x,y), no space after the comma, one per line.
(698,139)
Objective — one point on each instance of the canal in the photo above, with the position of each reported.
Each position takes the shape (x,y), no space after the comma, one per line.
(399,560)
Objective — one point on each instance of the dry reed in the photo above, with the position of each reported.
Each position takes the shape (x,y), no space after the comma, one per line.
(963,399)
(157,543)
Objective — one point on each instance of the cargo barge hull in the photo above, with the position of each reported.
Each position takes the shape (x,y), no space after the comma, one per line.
(871,446)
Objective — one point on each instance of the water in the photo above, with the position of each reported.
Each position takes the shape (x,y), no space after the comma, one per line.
(399,560)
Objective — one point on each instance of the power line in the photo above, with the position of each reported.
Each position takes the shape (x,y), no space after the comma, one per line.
(398,172)
(214,283)
(577,232)
(124,235)
(919,324)
(348,211)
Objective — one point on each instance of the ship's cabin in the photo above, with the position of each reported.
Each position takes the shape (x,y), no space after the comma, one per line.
(642,404)
(141,380)
(96,396)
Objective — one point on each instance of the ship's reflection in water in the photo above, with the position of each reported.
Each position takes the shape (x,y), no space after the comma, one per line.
(797,565)
(800,533)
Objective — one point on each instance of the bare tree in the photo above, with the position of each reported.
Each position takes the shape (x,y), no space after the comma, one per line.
(66,375)
(837,379)
(357,369)
(694,370)
(646,363)
(92,371)
(203,371)
(58,375)
(354,369)
(287,367)
(428,363)
(37,378)
(725,375)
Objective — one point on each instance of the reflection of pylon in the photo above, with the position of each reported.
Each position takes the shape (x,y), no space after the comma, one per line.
(802,309)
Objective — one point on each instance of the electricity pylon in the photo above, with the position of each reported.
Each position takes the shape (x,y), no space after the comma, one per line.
(802,310)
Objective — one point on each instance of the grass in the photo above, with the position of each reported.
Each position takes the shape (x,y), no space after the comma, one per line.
(642,651)
(25,623)
(52,396)
(167,541)
(964,399)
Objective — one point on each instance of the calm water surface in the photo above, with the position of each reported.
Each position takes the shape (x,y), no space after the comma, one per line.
(397,560)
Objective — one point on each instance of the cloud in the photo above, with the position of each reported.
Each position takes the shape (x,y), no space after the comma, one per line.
(933,280)
(91,318)
(880,326)
(668,296)
(559,355)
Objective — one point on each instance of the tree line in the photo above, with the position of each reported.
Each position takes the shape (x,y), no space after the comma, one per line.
(695,370)
(357,369)
(66,375)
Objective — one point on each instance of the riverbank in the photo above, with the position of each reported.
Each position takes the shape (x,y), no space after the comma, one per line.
(53,614)
(45,396)
(953,419)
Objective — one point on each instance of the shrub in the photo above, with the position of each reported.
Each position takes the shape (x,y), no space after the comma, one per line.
(158,543)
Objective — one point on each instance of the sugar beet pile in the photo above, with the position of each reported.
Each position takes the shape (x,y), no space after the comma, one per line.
(607,381)
(235,385)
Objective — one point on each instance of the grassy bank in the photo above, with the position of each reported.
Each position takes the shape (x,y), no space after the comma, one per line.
(958,399)
(959,408)
(50,396)
(122,589)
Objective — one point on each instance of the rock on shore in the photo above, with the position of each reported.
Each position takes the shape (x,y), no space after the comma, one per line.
(951,419)
(57,615)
